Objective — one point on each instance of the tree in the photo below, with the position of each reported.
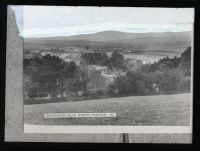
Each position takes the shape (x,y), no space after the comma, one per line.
(116,61)
(185,65)
(100,59)
(163,64)
(87,47)
(123,85)
(134,83)
(139,82)
(65,74)
(49,74)
(85,75)
(168,81)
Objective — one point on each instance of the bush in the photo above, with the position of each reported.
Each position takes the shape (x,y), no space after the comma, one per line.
(41,101)
(185,65)
(185,84)
(159,82)
(95,58)
(95,94)
(122,85)
(134,83)
(171,81)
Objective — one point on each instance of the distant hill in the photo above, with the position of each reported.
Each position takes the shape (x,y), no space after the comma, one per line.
(166,41)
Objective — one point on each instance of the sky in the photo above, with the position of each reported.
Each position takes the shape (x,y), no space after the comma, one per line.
(49,21)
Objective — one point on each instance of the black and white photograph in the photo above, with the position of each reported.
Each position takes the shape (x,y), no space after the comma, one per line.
(90,69)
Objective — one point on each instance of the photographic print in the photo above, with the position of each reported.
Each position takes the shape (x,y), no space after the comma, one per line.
(106,69)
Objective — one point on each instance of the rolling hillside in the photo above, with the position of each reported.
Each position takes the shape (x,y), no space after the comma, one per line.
(160,110)
(173,41)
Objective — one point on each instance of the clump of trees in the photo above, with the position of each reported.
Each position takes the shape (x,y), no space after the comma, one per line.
(53,76)
(167,76)
(100,59)
(115,61)
(163,64)
(134,83)
(185,64)
(48,74)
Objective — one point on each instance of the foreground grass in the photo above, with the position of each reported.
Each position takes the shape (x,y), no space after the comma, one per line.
(162,110)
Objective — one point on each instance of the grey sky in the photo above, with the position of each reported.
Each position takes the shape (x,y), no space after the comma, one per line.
(67,20)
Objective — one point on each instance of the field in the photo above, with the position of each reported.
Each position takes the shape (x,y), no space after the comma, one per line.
(161,110)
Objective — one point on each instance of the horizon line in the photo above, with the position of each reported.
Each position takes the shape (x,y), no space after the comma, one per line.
(105,31)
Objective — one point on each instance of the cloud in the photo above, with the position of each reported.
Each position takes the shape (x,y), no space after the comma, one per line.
(44,21)
(124,27)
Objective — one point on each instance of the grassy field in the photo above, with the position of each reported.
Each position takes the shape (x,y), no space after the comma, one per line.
(162,110)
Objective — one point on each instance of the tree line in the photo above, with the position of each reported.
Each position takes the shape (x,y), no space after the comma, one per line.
(52,75)
(115,61)
(167,76)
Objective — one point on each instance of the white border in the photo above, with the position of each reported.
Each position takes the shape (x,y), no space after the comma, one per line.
(106,129)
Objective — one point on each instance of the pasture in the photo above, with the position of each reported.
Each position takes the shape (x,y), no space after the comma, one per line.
(160,110)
